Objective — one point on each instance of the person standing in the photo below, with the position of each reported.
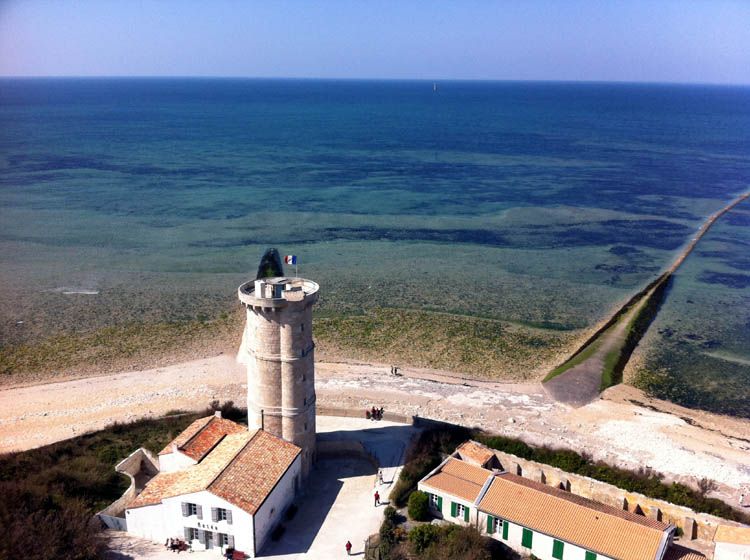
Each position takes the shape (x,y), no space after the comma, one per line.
(348,547)
(377,498)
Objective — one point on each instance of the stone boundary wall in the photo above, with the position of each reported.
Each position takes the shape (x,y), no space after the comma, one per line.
(356,413)
(693,524)
(131,467)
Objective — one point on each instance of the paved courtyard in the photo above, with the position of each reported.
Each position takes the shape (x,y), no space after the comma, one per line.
(338,505)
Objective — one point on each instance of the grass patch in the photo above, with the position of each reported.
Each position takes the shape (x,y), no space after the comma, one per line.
(129,345)
(474,345)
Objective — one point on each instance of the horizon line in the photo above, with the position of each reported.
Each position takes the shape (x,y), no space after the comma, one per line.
(362,79)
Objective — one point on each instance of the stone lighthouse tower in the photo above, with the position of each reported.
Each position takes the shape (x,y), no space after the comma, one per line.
(278,348)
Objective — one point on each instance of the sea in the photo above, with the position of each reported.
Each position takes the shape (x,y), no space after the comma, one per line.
(126,200)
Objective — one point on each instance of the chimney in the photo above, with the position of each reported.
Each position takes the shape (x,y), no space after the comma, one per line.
(217,413)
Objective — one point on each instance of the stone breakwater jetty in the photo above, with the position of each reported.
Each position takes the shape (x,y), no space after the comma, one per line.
(599,362)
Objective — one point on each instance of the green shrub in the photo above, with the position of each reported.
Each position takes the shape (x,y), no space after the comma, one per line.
(423,536)
(419,506)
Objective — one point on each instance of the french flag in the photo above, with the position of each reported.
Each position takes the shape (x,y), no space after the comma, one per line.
(290,259)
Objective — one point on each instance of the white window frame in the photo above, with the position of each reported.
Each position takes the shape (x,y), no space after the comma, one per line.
(192,508)
(221,514)
(460,511)
(434,500)
(193,533)
(497,525)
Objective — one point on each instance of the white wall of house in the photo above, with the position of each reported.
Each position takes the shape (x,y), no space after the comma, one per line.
(162,521)
(270,512)
(446,511)
(541,544)
(729,551)
(174,461)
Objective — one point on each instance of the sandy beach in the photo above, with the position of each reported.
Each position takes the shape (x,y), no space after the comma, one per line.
(624,427)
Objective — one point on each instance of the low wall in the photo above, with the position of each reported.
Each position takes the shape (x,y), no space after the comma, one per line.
(139,467)
(694,525)
(355,413)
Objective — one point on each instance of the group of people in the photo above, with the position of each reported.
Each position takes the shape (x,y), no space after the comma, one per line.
(176,545)
(374,413)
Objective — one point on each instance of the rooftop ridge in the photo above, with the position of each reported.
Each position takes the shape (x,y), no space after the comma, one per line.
(225,467)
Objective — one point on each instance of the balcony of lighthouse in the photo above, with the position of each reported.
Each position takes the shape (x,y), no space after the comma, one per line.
(269,294)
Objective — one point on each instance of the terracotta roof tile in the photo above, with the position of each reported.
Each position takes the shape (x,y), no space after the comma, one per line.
(202,435)
(195,477)
(250,477)
(475,453)
(677,552)
(588,524)
(186,434)
(243,469)
(459,479)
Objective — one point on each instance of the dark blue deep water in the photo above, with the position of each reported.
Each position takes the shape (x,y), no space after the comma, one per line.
(537,203)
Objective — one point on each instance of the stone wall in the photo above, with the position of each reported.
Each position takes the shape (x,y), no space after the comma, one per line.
(140,466)
(694,525)
(356,413)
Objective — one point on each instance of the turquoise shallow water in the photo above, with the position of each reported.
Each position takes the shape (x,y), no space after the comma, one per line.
(540,203)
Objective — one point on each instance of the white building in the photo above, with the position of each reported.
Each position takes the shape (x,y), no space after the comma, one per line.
(220,486)
(732,543)
(532,518)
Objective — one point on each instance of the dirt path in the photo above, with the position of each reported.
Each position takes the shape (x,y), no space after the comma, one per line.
(623,428)
(582,383)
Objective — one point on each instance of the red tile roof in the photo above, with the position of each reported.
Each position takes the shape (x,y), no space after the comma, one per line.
(591,525)
(243,468)
(250,477)
(475,453)
(202,436)
(677,552)
(459,479)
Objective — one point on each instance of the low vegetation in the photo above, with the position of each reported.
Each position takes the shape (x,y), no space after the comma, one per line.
(437,542)
(108,349)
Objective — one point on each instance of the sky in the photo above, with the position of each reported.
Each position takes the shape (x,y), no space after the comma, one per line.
(701,41)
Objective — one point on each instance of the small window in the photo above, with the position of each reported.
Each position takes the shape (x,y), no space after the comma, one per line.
(434,499)
(305,426)
(223,539)
(460,508)
(221,514)
(192,534)
(304,402)
(497,525)
(302,327)
(557,549)
(192,509)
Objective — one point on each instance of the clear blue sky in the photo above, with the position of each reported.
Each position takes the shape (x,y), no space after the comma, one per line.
(648,40)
